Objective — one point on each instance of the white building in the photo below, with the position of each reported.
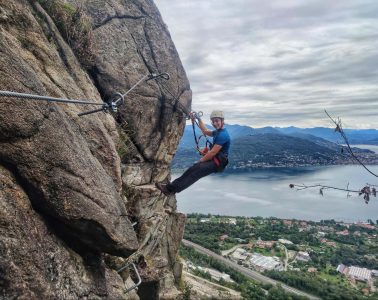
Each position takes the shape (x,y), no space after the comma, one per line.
(303,256)
(205,220)
(239,254)
(283,241)
(262,263)
(361,274)
(342,269)
(232,221)
(216,275)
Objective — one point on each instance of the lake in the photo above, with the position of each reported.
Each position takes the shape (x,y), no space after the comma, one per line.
(266,192)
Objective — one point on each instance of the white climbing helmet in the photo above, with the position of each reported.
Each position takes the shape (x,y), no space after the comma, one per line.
(217,114)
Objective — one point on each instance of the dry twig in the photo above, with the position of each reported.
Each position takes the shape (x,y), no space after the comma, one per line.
(339,128)
(367,190)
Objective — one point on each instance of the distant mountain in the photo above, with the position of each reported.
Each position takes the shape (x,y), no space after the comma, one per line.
(264,130)
(326,143)
(279,147)
(235,131)
(355,136)
(268,149)
(320,135)
(268,146)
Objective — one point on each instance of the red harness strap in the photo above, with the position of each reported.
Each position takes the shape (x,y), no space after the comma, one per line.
(217,161)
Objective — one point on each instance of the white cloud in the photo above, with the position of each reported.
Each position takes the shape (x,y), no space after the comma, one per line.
(279,63)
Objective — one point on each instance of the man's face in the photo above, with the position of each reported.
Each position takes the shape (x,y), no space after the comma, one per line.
(217,123)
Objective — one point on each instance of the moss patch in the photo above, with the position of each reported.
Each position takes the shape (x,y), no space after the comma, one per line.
(76,28)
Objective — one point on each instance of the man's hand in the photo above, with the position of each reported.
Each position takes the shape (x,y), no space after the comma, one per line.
(204,151)
(192,115)
(209,155)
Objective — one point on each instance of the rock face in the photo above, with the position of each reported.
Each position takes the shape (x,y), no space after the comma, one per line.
(71,186)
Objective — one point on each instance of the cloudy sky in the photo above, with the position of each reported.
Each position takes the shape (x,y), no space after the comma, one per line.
(280,62)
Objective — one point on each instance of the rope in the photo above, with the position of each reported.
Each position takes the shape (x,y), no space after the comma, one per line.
(174,98)
(120,98)
(195,137)
(187,113)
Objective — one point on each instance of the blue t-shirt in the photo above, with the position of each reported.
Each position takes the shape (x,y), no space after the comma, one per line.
(222,138)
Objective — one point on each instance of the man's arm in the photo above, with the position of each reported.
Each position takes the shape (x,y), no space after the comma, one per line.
(203,128)
(209,155)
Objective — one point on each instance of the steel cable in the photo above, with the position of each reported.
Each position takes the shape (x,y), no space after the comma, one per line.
(105,106)
(45,98)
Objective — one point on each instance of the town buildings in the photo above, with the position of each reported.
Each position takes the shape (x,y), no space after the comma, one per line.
(263,263)
(303,256)
(357,273)
(216,275)
(264,244)
(239,254)
(328,243)
(283,241)
(343,232)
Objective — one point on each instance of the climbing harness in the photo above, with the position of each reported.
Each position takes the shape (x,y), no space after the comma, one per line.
(219,159)
(111,106)
(137,274)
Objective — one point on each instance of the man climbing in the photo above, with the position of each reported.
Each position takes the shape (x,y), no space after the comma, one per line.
(213,161)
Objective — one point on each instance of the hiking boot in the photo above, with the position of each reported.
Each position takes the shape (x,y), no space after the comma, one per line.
(163,188)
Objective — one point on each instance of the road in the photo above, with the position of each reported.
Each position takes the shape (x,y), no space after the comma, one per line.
(247,272)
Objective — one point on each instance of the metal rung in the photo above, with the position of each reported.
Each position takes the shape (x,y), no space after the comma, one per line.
(136,272)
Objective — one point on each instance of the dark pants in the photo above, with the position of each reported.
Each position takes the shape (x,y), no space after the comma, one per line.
(195,172)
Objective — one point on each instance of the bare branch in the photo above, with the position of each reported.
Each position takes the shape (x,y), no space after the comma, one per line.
(348,195)
(366,190)
(339,129)
(324,187)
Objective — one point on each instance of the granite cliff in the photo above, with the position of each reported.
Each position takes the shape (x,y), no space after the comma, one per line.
(77,195)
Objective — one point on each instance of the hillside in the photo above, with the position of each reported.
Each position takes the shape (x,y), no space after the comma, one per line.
(269,149)
(268,146)
(326,136)
(327,244)
(276,149)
